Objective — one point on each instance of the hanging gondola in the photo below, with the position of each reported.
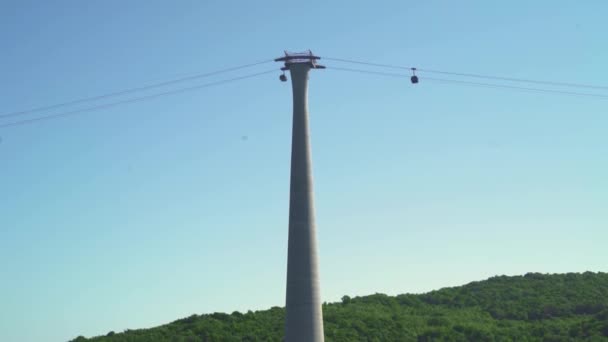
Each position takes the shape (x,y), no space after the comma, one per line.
(414,78)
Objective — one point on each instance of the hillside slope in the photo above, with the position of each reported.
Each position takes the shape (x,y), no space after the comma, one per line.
(533,307)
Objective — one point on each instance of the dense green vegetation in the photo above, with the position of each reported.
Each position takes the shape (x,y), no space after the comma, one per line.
(533,307)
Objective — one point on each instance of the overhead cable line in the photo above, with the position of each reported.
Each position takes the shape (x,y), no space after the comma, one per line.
(132,100)
(132,90)
(509,79)
(361,71)
(506,86)
(480,84)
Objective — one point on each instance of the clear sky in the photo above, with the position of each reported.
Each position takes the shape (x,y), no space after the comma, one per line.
(141,214)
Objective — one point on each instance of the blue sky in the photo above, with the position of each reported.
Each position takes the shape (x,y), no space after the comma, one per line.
(140,214)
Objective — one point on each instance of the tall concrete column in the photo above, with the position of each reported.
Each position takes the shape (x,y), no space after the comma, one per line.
(304,318)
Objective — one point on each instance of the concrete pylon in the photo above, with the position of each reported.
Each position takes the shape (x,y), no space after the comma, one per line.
(304,317)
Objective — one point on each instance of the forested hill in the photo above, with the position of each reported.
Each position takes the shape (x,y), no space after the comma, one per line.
(533,307)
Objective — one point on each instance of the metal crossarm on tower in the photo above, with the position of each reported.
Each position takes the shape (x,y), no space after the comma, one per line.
(307,57)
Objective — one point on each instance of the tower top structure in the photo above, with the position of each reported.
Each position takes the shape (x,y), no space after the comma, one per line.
(306,57)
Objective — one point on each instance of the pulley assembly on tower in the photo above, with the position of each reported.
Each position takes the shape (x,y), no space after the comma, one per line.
(291,58)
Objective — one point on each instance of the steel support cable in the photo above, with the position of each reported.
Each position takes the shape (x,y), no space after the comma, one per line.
(480,84)
(499,78)
(132,100)
(132,90)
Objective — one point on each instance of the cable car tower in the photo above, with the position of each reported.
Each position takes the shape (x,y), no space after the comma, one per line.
(304,318)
